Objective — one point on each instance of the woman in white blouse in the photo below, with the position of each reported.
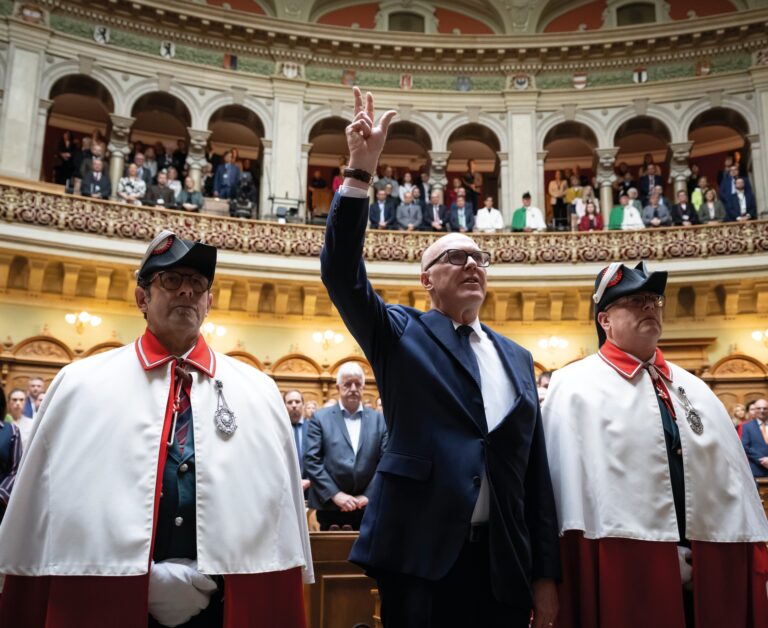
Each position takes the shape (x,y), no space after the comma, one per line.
(406,186)
(131,189)
(488,218)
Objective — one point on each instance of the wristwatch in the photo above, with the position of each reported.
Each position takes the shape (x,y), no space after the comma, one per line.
(360,175)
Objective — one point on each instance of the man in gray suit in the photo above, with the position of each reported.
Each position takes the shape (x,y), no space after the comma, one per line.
(343,447)
(655,214)
(409,214)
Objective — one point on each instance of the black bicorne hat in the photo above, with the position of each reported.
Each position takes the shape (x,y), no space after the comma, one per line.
(168,250)
(618,280)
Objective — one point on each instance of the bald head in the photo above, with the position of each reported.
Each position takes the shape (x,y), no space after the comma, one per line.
(448,241)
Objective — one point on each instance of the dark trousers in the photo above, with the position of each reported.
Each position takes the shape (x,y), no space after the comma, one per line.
(327,518)
(463,598)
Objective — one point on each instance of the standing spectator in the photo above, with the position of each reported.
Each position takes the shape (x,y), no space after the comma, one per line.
(626,183)
(740,206)
(143,171)
(173,181)
(462,218)
(542,385)
(471,180)
(683,213)
(16,401)
(647,161)
(131,188)
(96,154)
(436,215)
(85,154)
(409,215)
(462,193)
(738,416)
(726,171)
(294,404)
(655,215)
(206,180)
(310,407)
(343,447)
(488,219)
(416,193)
(648,183)
(150,162)
(728,184)
(65,153)
(712,210)
(557,189)
(227,179)
(452,193)
(388,178)
(96,184)
(754,437)
(338,178)
(160,195)
(35,388)
(424,186)
(527,217)
(382,211)
(164,160)
(406,186)
(697,196)
(693,180)
(591,220)
(179,158)
(10,455)
(189,199)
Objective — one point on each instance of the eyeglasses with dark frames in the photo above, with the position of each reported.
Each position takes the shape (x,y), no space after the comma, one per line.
(459,257)
(172,280)
(639,301)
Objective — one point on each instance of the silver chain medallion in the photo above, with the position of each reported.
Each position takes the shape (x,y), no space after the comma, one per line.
(693,417)
(224,418)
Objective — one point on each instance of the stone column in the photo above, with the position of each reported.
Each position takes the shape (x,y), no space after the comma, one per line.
(605,175)
(285,171)
(541,191)
(757,177)
(118,148)
(265,189)
(198,140)
(438,164)
(504,202)
(522,144)
(679,169)
(303,175)
(36,163)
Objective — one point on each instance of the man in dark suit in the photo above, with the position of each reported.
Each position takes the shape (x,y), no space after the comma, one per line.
(96,183)
(462,217)
(648,182)
(728,183)
(754,437)
(344,444)
(460,528)
(683,213)
(160,195)
(142,171)
(294,403)
(436,216)
(381,213)
(227,179)
(740,205)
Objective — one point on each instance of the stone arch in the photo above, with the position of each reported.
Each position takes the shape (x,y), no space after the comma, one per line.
(478,143)
(45,349)
(159,116)
(451,126)
(582,117)
(658,136)
(319,114)
(181,92)
(704,104)
(237,126)
(655,112)
(407,148)
(69,67)
(254,105)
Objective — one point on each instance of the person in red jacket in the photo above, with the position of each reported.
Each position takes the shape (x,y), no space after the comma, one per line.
(591,220)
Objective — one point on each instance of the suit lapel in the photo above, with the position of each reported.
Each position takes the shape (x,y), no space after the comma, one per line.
(441,327)
(511,365)
(338,419)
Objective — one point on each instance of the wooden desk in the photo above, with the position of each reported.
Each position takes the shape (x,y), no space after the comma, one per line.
(341,596)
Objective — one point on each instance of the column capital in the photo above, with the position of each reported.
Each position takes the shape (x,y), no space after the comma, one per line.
(604,172)
(503,156)
(45,105)
(266,144)
(120,133)
(541,155)
(753,139)
(305,148)
(678,163)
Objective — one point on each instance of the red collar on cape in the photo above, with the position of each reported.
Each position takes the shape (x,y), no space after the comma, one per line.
(627,365)
(152,354)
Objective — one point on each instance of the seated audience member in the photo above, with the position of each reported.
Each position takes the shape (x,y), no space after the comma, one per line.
(179,157)
(294,404)
(754,437)
(580,205)
(10,454)
(142,170)
(131,188)
(659,190)
(528,218)
(740,206)
(150,161)
(436,215)
(632,219)
(35,388)
(409,215)
(388,178)
(344,444)
(406,186)
(634,199)
(206,180)
(244,205)
(96,183)
(227,178)
(159,194)
(683,213)
(648,183)
(173,181)
(97,154)
(381,213)
(462,218)
(697,196)
(462,193)
(488,219)
(617,213)
(728,184)
(16,400)
(424,186)
(655,215)
(712,210)
(189,199)
(591,220)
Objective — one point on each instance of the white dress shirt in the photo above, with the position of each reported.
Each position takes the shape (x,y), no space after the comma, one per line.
(488,220)
(632,218)
(498,396)
(534,219)
(354,423)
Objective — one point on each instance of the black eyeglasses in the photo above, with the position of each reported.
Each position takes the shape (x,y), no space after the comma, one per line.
(172,280)
(458,257)
(639,301)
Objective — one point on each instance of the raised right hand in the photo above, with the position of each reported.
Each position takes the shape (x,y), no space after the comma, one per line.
(365,139)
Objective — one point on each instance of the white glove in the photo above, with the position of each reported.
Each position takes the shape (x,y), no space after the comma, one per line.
(178,591)
(686,570)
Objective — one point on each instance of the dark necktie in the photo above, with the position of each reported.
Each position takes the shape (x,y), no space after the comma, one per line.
(184,407)
(470,359)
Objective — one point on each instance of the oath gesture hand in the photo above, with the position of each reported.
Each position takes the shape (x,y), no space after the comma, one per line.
(364,138)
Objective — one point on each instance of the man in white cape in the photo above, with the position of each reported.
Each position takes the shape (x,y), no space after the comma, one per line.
(160,486)
(659,517)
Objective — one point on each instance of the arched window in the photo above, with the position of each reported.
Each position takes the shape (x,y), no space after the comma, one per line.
(407,22)
(636,13)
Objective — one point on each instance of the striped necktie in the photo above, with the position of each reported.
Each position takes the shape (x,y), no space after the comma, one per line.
(184,407)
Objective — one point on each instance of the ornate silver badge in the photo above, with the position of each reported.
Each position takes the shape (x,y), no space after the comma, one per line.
(693,418)
(223,418)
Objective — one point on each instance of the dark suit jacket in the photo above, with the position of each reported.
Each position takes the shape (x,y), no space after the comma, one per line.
(427,483)
(88,185)
(646,186)
(227,181)
(145,174)
(726,186)
(755,447)
(374,215)
(732,210)
(330,462)
(469,217)
(678,214)
(444,214)
(156,192)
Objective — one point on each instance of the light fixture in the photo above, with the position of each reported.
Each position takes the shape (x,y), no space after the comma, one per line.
(211,329)
(553,342)
(81,319)
(325,338)
(760,336)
